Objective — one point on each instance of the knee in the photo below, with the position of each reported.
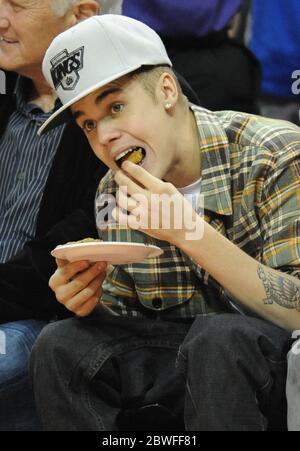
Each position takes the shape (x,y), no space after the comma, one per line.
(17,340)
(47,342)
(52,348)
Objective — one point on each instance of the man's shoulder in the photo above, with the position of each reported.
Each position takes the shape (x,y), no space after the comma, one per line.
(250,129)
(244,134)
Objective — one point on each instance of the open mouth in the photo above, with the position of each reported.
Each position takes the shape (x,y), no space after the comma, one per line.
(136,155)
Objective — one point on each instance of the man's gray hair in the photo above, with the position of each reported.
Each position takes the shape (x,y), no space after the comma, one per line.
(60,7)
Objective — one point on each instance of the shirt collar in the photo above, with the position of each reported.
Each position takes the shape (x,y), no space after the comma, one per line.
(215,162)
(21,92)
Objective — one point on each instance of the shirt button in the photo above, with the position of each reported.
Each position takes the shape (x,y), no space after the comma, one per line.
(157,303)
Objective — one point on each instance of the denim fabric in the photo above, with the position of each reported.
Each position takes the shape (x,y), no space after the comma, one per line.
(102,366)
(293,388)
(235,370)
(17,410)
(230,373)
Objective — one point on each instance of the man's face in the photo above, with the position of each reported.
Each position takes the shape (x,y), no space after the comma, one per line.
(28,27)
(121,117)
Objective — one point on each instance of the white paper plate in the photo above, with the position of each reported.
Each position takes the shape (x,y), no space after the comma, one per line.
(114,253)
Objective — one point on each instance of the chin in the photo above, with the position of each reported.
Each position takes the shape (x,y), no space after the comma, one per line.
(8,66)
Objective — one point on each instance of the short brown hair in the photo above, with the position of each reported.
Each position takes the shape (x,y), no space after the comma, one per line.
(148,76)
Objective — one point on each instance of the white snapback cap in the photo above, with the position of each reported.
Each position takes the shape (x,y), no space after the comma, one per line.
(95,52)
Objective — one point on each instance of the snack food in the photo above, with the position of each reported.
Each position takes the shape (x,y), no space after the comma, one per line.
(135,157)
(86,240)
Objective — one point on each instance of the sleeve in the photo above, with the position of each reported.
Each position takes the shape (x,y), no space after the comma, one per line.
(24,290)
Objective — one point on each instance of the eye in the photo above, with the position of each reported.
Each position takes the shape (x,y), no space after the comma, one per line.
(117,108)
(89,125)
(15,6)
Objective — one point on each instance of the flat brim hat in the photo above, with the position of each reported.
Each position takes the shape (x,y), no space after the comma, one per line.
(95,52)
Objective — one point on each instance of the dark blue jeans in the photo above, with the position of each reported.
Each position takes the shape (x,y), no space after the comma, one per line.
(230,370)
(17,409)
(89,373)
(235,369)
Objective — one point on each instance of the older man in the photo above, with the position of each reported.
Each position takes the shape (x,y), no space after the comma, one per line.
(47,188)
(46,191)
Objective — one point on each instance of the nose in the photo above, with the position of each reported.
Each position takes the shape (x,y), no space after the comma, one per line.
(4,23)
(107,132)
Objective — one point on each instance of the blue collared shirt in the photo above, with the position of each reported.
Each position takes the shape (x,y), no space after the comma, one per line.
(25,163)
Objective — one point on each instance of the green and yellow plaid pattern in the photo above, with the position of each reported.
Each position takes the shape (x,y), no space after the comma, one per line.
(251,187)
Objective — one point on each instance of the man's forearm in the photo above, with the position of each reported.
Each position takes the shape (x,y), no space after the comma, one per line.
(270,293)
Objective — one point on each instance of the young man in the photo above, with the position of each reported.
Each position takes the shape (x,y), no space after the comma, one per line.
(241,260)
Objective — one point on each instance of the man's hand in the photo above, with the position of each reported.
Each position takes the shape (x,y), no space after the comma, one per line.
(78,285)
(154,207)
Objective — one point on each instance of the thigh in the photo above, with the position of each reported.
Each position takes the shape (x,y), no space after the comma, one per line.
(250,351)
(102,366)
(77,343)
(236,328)
(17,340)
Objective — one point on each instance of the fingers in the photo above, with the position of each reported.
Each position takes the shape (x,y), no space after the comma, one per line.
(123,180)
(66,272)
(141,175)
(84,302)
(67,282)
(88,308)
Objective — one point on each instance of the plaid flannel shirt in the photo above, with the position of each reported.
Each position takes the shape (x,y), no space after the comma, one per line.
(251,185)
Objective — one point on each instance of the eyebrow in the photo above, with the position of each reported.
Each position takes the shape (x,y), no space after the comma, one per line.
(100,98)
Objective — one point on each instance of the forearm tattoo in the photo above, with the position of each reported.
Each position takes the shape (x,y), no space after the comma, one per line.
(279,289)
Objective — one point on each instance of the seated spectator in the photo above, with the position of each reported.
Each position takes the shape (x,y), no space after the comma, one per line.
(221,302)
(222,71)
(41,202)
(40,206)
(276,43)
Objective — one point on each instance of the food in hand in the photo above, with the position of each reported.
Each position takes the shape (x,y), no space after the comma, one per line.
(135,155)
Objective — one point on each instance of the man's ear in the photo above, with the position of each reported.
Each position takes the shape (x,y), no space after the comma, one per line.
(85,9)
(168,90)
